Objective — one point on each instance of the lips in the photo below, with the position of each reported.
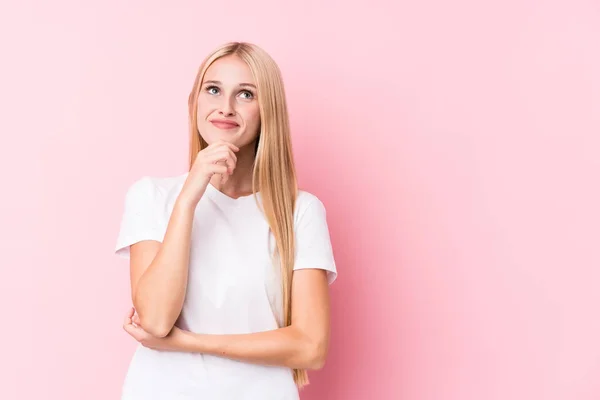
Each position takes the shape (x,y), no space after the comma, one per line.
(224,124)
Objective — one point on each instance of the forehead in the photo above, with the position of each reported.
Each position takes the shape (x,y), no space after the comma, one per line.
(231,70)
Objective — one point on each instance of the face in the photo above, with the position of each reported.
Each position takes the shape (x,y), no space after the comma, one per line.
(228,103)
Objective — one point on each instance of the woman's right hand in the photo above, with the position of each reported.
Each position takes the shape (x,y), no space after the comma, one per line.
(217,158)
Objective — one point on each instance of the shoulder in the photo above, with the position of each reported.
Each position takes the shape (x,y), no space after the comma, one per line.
(154,188)
(308,204)
(169,185)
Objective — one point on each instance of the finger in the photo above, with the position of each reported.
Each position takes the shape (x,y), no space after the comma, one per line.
(230,145)
(129,315)
(218,169)
(221,150)
(128,326)
(223,156)
(225,176)
(219,155)
(231,161)
(131,330)
(231,154)
(231,164)
(135,331)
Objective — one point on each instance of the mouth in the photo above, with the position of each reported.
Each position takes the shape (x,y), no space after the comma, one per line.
(224,124)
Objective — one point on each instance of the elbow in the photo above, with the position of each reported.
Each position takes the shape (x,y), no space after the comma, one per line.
(156,329)
(316,354)
(312,349)
(153,324)
(316,364)
(159,331)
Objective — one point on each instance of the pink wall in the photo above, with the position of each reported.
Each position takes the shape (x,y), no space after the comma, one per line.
(455,145)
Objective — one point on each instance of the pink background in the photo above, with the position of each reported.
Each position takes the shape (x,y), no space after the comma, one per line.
(455,145)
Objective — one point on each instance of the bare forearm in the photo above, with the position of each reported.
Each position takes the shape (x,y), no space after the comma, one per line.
(160,291)
(287,347)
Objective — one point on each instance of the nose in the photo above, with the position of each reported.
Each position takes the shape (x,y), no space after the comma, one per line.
(227,108)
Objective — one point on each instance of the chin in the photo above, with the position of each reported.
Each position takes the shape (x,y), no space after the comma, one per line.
(213,135)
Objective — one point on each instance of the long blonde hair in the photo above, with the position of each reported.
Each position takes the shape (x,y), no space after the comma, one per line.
(274,171)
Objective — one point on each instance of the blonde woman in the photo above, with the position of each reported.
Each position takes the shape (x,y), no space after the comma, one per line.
(230,262)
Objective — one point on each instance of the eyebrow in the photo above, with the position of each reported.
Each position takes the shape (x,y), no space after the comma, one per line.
(241,84)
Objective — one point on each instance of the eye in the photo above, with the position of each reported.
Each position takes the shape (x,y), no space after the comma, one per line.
(249,94)
(212,89)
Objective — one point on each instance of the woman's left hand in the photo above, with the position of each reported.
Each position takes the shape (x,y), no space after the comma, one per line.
(171,342)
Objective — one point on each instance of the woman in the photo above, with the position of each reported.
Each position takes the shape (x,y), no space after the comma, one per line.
(230,262)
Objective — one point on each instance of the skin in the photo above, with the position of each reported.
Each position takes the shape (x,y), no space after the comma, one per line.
(229,92)
(303,344)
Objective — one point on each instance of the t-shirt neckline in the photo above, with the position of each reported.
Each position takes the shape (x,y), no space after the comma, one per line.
(217,195)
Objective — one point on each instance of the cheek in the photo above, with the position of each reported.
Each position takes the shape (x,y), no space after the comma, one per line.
(207,104)
(202,114)
(203,107)
(253,115)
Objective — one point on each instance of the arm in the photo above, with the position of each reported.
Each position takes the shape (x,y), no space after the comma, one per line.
(159,273)
(303,344)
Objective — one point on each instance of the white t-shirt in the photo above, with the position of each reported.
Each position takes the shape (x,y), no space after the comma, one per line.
(233,287)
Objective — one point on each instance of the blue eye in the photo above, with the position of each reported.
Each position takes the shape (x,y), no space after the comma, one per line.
(211,88)
(249,93)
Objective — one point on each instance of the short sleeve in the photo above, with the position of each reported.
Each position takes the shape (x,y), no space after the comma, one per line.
(313,242)
(141,219)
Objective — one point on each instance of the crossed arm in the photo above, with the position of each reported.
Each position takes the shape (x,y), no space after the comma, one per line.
(303,344)
(158,283)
